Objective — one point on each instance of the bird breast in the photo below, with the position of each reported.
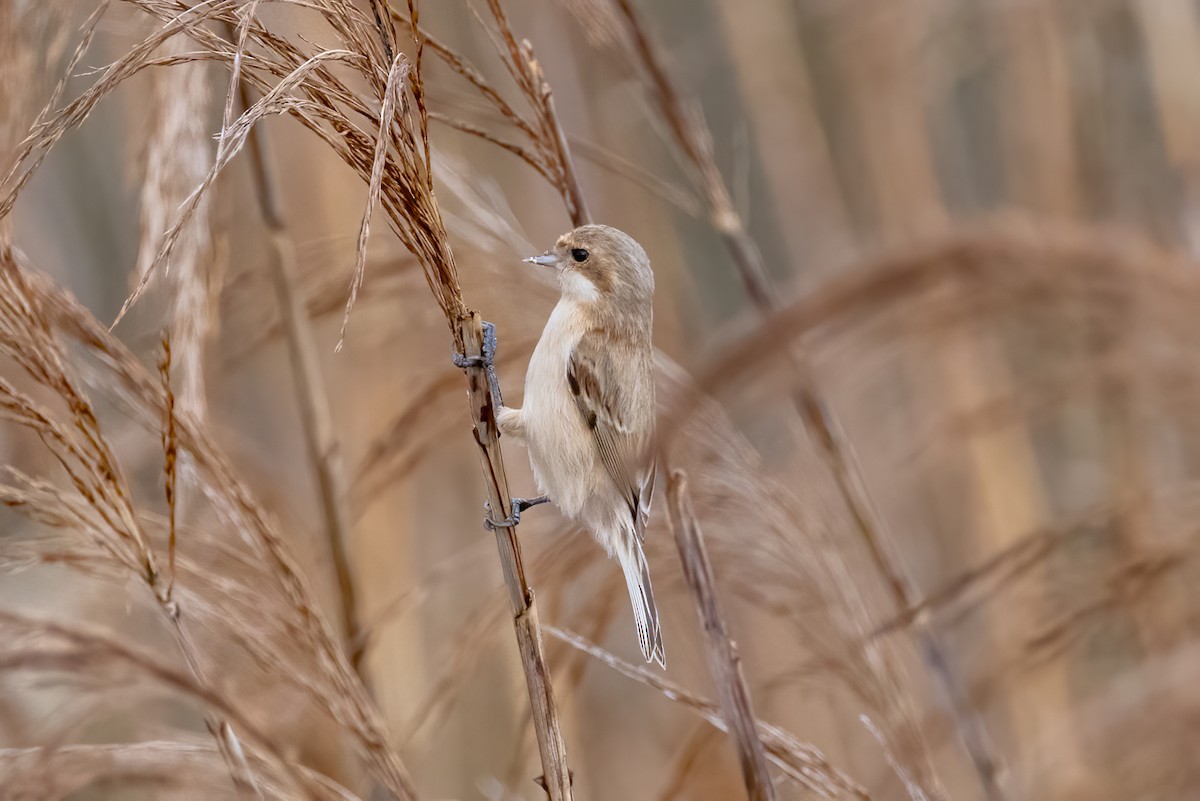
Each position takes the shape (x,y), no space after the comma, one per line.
(561,451)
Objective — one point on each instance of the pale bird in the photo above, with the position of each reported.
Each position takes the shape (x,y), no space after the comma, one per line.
(588,418)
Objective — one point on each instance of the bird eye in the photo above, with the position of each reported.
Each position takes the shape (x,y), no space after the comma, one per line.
(579,254)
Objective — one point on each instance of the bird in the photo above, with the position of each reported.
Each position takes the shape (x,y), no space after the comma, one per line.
(588,416)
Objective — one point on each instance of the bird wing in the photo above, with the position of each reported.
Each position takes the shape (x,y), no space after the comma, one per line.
(619,411)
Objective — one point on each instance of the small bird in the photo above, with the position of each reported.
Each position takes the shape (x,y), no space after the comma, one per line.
(588,418)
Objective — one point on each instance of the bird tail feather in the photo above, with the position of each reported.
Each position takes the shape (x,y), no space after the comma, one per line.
(641,595)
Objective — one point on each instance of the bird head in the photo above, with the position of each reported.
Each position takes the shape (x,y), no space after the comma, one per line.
(599,264)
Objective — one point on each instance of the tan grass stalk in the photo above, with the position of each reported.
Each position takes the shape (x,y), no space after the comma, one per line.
(724,661)
(178,155)
(557,778)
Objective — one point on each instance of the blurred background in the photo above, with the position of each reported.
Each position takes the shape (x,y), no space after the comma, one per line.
(944,460)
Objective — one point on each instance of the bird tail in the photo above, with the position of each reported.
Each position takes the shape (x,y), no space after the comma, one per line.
(637,579)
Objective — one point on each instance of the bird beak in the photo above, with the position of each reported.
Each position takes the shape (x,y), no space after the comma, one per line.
(547,259)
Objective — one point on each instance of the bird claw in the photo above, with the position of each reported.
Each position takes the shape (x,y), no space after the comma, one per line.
(509,522)
(487,359)
(518,505)
(462,361)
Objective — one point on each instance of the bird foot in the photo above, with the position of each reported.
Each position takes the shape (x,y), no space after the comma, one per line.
(487,361)
(462,361)
(518,505)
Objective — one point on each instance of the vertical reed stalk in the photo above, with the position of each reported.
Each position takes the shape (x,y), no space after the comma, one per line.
(556,779)
(724,661)
(316,422)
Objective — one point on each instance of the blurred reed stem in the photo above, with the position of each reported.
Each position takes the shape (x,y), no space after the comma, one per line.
(312,400)
(724,661)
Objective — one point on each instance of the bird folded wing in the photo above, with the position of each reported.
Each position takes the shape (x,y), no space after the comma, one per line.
(609,408)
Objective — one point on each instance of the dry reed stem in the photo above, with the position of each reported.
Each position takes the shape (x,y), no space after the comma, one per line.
(421,229)
(798,760)
(690,133)
(724,662)
(312,398)
(178,155)
(557,777)
(598,616)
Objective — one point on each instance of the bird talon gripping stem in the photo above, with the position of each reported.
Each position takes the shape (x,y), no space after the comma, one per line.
(463,361)
(488,357)
(509,522)
(487,360)
(518,505)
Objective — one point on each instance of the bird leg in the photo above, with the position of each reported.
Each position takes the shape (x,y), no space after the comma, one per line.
(487,361)
(518,505)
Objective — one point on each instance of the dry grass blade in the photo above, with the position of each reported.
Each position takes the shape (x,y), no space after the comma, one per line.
(724,662)
(391,95)
(170,445)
